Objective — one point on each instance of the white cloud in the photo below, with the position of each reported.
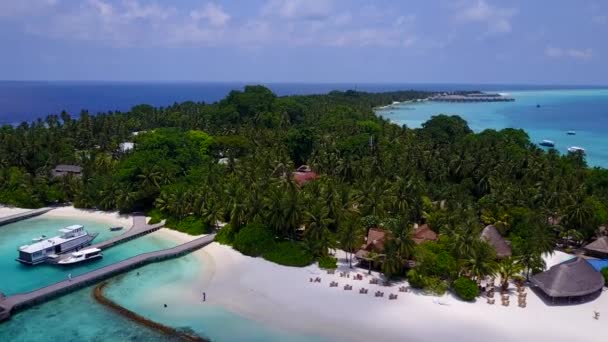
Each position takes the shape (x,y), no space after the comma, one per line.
(299,9)
(152,23)
(212,13)
(496,19)
(581,54)
(551,51)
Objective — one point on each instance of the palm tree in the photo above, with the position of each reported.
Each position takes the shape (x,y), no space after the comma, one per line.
(507,269)
(317,223)
(480,263)
(350,235)
(371,258)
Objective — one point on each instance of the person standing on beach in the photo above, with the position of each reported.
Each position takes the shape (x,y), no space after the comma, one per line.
(204,296)
(69,276)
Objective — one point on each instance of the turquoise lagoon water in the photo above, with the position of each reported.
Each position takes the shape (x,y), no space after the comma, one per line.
(160,283)
(18,278)
(582,110)
(78,317)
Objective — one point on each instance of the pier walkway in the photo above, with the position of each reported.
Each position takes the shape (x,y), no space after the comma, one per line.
(139,228)
(23,216)
(24,300)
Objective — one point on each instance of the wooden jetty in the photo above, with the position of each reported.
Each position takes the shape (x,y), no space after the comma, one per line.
(139,228)
(23,300)
(23,216)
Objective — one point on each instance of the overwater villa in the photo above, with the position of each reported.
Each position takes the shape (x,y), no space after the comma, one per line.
(63,170)
(598,248)
(573,281)
(494,238)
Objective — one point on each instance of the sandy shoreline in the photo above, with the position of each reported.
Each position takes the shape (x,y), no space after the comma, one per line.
(283,297)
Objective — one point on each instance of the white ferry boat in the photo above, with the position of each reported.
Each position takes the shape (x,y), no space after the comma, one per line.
(547,143)
(81,256)
(574,149)
(71,238)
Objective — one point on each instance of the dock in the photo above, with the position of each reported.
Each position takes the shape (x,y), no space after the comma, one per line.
(471,98)
(10,304)
(23,216)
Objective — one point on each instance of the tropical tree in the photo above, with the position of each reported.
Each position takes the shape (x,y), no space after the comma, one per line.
(507,269)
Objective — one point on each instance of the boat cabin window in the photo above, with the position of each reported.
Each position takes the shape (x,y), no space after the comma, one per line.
(25,256)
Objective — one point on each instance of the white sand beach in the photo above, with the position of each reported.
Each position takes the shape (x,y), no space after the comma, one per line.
(8,211)
(284,297)
(110,217)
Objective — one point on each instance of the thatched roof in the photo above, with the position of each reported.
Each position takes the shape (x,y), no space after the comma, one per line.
(598,246)
(375,242)
(493,237)
(572,278)
(424,233)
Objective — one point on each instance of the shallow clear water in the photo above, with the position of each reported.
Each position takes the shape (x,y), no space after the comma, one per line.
(582,110)
(168,283)
(18,278)
(78,317)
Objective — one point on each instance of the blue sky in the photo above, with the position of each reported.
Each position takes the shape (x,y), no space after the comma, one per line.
(435,41)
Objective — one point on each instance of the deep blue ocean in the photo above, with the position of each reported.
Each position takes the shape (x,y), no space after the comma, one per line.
(28,100)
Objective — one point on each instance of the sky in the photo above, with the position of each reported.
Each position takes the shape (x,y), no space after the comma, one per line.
(328,41)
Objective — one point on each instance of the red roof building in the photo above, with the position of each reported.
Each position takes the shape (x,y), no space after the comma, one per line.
(304,174)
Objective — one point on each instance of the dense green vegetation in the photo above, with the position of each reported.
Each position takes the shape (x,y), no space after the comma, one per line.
(372,172)
(466,289)
(605,274)
(289,253)
(328,262)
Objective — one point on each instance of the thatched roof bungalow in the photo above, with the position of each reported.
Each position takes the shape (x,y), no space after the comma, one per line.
(493,237)
(424,233)
(573,280)
(373,243)
(598,248)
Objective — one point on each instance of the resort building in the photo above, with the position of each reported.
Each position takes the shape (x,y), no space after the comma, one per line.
(126,146)
(573,281)
(304,174)
(491,235)
(373,243)
(376,238)
(423,233)
(598,248)
(64,170)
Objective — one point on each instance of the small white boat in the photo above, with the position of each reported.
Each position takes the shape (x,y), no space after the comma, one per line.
(571,133)
(81,256)
(40,238)
(574,149)
(547,143)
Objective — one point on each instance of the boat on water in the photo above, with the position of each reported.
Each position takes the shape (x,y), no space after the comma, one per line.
(574,149)
(571,133)
(547,143)
(117,228)
(71,238)
(40,238)
(81,256)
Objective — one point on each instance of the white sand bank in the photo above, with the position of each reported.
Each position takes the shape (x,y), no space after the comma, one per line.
(8,211)
(112,218)
(283,297)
